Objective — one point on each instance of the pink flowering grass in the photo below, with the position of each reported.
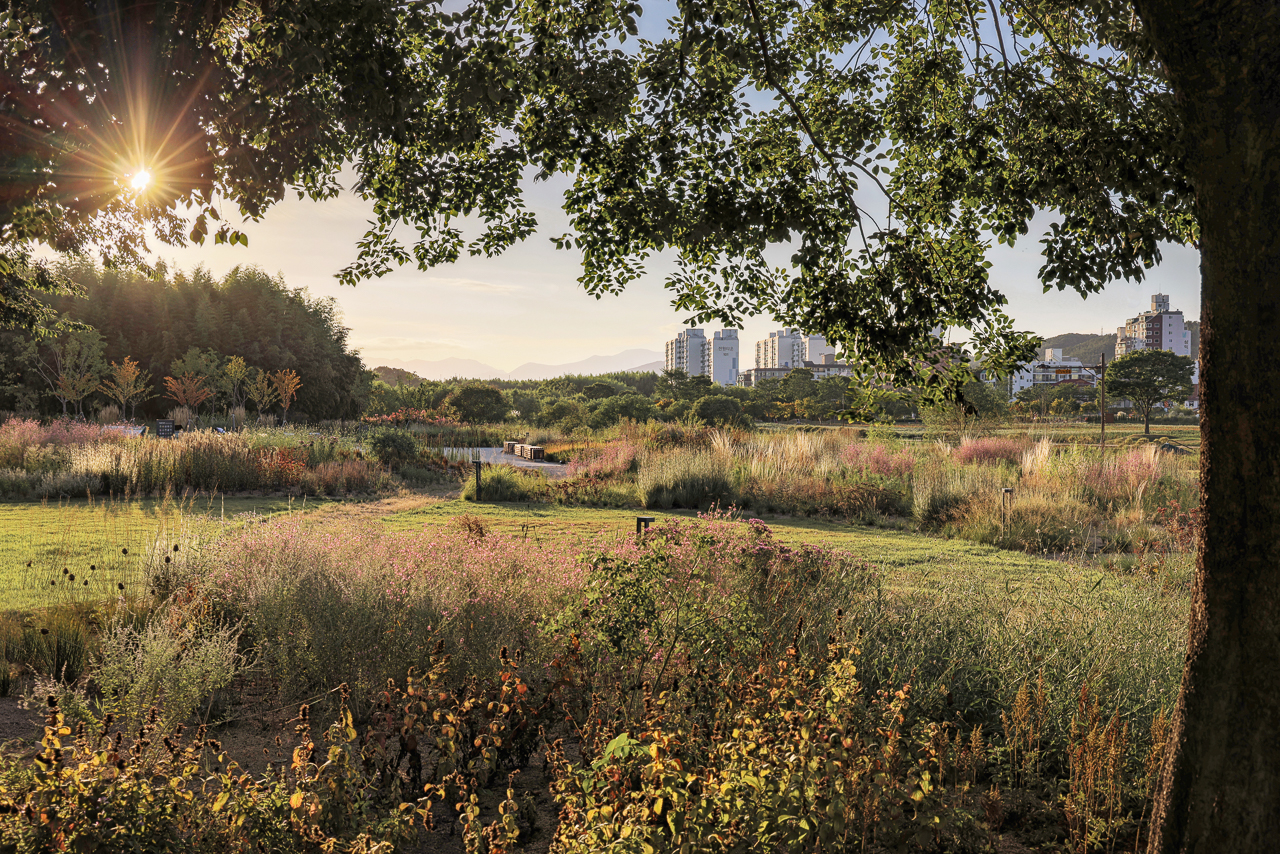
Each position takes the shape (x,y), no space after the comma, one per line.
(326,603)
(350,602)
(991,449)
(608,461)
(20,435)
(865,458)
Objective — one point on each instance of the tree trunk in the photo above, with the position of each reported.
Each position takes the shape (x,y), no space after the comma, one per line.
(1220,786)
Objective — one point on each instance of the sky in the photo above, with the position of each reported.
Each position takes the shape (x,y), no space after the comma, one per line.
(526,305)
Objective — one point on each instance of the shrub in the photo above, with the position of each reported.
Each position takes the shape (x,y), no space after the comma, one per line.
(57,644)
(393,448)
(611,460)
(67,485)
(170,794)
(15,483)
(325,605)
(1031,521)
(174,661)
(940,489)
(339,478)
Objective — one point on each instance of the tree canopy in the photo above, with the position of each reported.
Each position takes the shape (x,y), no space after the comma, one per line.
(1148,377)
(882,146)
(169,325)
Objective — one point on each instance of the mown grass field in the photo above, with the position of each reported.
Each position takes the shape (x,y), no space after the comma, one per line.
(39,540)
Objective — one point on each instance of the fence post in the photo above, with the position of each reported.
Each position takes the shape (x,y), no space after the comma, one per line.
(477,464)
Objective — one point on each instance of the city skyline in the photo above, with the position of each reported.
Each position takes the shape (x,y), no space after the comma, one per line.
(526,305)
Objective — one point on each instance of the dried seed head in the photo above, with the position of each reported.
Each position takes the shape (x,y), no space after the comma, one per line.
(175,548)
(71,577)
(120,587)
(124,551)
(44,631)
(168,559)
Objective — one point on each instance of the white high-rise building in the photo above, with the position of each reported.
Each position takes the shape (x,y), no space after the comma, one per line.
(717,357)
(791,348)
(817,350)
(1157,329)
(684,352)
(720,357)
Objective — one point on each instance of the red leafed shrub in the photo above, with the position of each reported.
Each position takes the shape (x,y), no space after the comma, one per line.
(281,467)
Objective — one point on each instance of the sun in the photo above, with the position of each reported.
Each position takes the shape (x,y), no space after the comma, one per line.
(140,180)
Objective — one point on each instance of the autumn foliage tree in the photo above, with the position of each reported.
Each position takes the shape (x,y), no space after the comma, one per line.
(126,386)
(187,390)
(235,375)
(261,391)
(286,383)
(70,365)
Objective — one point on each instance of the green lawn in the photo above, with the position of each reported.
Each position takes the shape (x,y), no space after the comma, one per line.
(77,535)
(908,560)
(39,540)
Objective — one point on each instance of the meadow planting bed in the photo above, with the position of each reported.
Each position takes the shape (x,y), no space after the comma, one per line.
(67,459)
(705,687)
(1011,491)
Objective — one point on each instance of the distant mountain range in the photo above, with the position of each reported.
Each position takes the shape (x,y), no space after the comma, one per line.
(443,369)
(624,361)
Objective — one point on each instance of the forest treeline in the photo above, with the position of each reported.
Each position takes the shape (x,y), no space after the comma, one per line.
(175,323)
(571,402)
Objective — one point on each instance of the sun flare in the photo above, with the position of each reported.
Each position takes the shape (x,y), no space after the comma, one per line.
(140,180)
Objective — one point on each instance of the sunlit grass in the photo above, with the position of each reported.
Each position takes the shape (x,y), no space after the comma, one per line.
(39,541)
(909,561)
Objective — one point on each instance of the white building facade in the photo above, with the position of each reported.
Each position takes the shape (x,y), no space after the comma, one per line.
(791,348)
(717,357)
(1161,328)
(1050,370)
(720,357)
(684,352)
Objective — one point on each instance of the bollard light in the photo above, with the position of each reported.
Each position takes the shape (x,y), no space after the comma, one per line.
(642,524)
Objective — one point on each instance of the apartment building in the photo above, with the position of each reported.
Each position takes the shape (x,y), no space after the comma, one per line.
(828,367)
(720,357)
(684,352)
(1161,328)
(1051,370)
(695,354)
(791,348)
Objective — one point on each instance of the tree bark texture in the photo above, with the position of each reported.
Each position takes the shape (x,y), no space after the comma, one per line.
(1220,786)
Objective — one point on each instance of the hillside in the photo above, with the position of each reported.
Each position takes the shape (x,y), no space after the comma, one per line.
(1087,348)
(1083,346)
